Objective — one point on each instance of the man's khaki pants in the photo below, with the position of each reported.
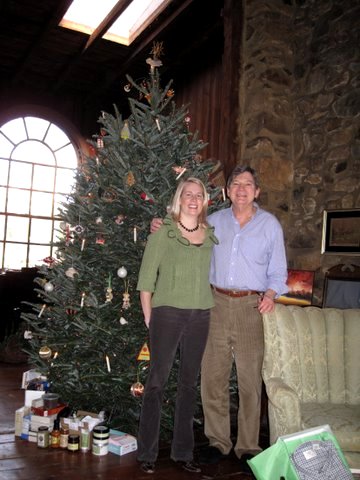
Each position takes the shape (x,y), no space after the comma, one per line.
(236,334)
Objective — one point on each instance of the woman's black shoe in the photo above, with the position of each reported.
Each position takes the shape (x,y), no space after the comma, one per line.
(190,466)
(148,467)
(210,455)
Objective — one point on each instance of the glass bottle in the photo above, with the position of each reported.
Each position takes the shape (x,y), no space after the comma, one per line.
(55,435)
(64,436)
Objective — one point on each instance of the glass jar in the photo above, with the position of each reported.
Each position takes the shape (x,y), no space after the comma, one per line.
(43,437)
(64,436)
(73,443)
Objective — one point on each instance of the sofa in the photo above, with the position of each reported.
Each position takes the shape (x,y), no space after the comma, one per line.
(311,372)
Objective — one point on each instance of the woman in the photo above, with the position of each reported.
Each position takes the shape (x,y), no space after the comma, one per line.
(176,299)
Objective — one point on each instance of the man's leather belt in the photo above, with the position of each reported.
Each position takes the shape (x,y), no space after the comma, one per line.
(236,293)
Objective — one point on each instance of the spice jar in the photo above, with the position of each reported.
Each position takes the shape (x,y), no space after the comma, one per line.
(73,443)
(64,436)
(43,437)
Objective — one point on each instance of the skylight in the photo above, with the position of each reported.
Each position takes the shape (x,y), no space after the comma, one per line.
(86,15)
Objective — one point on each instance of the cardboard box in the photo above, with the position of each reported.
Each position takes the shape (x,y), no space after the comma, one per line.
(121,443)
(19,416)
(37,421)
(31,395)
(25,427)
(82,419)
(28,376)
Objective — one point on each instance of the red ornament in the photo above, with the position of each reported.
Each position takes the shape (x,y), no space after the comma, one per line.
(49,260)
(137,389)
(146,197)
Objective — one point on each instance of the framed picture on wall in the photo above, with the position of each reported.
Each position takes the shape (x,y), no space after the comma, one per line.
(300,284)
(341,232)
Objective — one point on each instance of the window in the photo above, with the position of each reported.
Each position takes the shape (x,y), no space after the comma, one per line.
(37,172)
(85,16)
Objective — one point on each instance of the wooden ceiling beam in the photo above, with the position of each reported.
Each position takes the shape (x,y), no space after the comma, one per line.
(104,26)
(92,41)
(54,20)
(103,86)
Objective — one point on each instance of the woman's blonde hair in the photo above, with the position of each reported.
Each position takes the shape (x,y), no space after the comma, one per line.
(174,209)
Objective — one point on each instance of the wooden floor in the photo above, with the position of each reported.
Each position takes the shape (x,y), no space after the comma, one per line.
(21,460)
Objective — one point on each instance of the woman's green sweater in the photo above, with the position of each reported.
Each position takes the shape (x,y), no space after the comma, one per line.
(175,271)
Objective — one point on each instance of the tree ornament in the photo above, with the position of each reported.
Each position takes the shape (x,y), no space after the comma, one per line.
(127,88)
(157,51)
(78,229)
(144,353)
(119,219)
(48,287)
(109,295)
(153,62)
(49,260)
(100,142)
(170,93)
(28,335)
(146,197)
(100,240)
(125,131)
(98,220)
(126,300)
(130,179)
(68,236)
(137,389)
(71,311)
(71,272)
(45,352)
(123,321)
(109,195)
(122,272)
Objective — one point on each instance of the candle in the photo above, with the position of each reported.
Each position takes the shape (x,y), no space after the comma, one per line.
(135,235)
(108,363)
(181,173)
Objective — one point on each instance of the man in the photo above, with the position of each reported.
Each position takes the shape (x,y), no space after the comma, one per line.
(248,271)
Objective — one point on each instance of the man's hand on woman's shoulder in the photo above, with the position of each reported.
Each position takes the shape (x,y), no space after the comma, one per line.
(155,224)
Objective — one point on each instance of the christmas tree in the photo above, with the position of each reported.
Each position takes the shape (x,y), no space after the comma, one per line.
(86,333)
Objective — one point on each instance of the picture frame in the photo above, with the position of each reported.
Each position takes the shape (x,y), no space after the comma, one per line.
(342,286)
(341,232)
(301,285)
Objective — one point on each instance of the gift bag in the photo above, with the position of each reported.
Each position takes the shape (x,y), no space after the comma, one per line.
(312,454)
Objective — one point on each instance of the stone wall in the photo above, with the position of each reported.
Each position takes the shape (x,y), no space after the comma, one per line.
(299,122)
